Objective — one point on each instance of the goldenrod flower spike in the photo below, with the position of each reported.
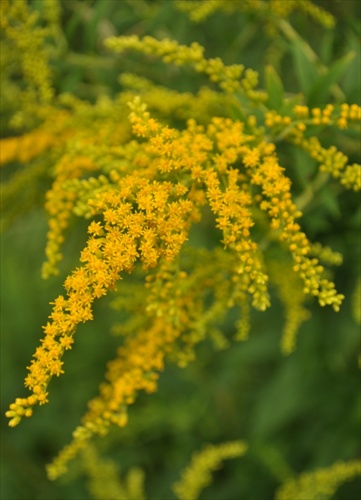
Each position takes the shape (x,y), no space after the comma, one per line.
(104,480)
(271,10)
(198,474)
(230,78)
(321,483)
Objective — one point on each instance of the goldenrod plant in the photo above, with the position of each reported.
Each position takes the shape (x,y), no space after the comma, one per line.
(200,181)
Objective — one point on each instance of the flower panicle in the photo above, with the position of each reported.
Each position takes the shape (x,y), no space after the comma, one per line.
(231,79)
(321,483)
(234,172)
(198,474)
(274,10)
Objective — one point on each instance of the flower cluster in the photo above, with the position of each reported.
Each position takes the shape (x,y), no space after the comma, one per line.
(25,49)
(291,293)
(198,474)
(228,77)
(269,10)
(112,247)
(321,483)
(25,147)
(297,126)
(104,479)
(157,229)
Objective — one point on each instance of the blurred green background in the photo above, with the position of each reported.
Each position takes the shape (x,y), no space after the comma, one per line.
(296,413)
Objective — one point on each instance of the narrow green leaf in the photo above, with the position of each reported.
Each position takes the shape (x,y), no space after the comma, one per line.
(320,91)
(330,202)
(305,68)
(274,87)
(326,47)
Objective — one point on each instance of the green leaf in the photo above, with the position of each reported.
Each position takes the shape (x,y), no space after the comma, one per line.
(274,87)
(326,47)
(330,202)
(320,91)
(305,68)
